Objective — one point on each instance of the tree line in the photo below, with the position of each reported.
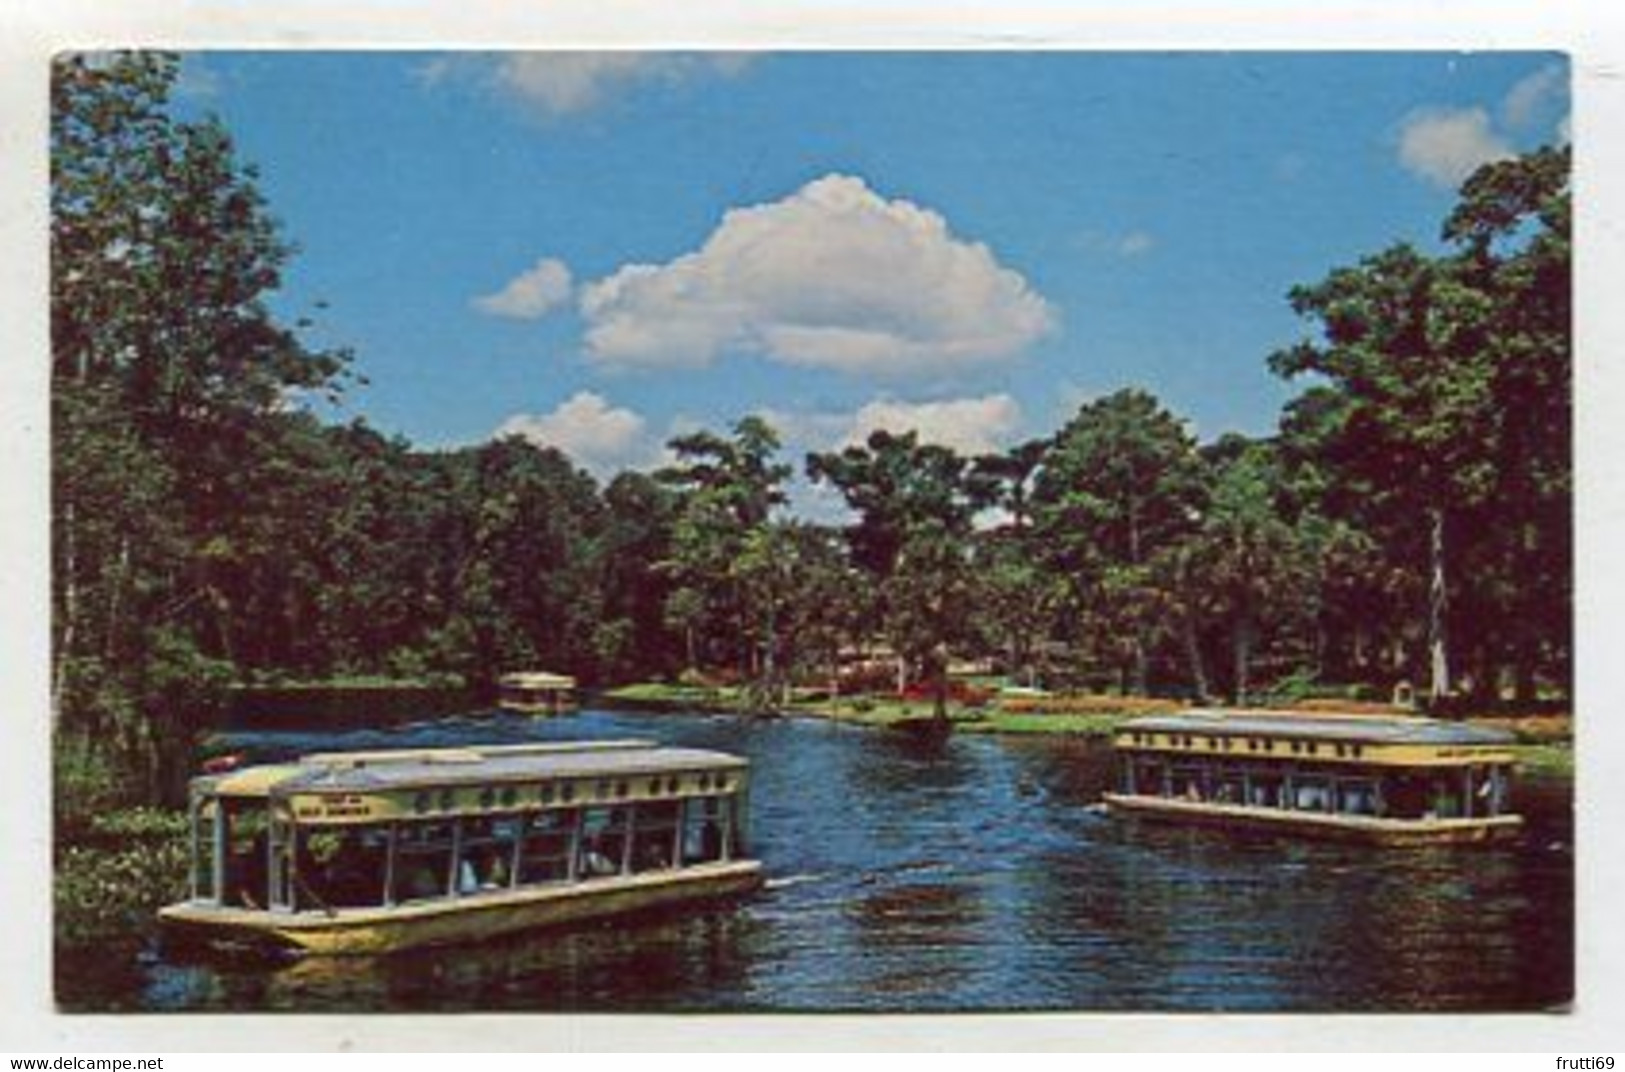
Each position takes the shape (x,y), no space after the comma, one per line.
(1409,521)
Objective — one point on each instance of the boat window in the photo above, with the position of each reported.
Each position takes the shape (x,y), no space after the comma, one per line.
(1229,788)
(673,783)
(1357,797)
(702,830)
(545,856)
(485,856)
(567,792)
(1357,750)
(622,789)
(1500,785)
(510,797)
(1311,794)
(247,865)
(603,842)
(1264,790)
(1187,783)
(1141,777)
(420,802)
(340,867)
(1405,796)
(203,848)
(1297,747)
(1444,799)
(422,860)
(447,799)
(654,835)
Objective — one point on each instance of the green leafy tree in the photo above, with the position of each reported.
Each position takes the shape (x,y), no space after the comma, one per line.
(1451,384)
(1121,485)
(1247,564)
(637,538)
(727,490)
(916,504)
(162,255)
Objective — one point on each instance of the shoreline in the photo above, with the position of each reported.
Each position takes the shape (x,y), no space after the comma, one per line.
(1547,753)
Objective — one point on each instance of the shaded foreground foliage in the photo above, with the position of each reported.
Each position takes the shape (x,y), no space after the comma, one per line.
(1409,522)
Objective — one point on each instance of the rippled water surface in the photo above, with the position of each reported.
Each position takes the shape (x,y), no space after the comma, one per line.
(968,875)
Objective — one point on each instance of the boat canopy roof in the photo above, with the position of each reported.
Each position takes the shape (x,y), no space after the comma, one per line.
(1371,729)
(537,679)
(356,772)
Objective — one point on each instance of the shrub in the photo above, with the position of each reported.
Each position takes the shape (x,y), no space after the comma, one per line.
(102,894)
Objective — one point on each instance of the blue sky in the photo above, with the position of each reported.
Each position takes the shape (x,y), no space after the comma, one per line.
(598,250)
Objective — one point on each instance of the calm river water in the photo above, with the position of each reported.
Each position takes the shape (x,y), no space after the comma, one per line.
(970,875)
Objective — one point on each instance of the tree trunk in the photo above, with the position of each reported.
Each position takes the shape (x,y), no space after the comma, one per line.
(70,616)
(1241,645)
(1193,654)
(115,600)
(939,666)
(1438,606)
(1523,672)
(1142,661)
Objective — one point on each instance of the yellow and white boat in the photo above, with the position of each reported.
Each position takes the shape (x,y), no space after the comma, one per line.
(371,852)
(1391,780)
(536,692)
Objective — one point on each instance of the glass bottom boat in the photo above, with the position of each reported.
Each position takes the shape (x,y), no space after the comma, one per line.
(537,693)
(1391,780)
(379,851)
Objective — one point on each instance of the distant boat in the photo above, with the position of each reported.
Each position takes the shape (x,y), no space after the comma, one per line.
(537,692)
(1391,780)
(372,852)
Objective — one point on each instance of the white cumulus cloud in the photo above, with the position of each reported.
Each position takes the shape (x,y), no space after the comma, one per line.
(601,438)
(833,276)
(531,294)
(967,425)
(1445,145)
(558,84)
(1536,97)
(970,426)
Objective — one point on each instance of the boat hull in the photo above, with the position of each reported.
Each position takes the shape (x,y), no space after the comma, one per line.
(1363,828)
(473,918)
(538,707)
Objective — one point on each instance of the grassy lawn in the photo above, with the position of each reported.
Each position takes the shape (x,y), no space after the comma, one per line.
(655,694)
(1544,746)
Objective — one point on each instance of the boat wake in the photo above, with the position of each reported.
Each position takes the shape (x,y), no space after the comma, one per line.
(791,880)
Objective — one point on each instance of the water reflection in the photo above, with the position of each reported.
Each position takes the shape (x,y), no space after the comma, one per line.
(966,874)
